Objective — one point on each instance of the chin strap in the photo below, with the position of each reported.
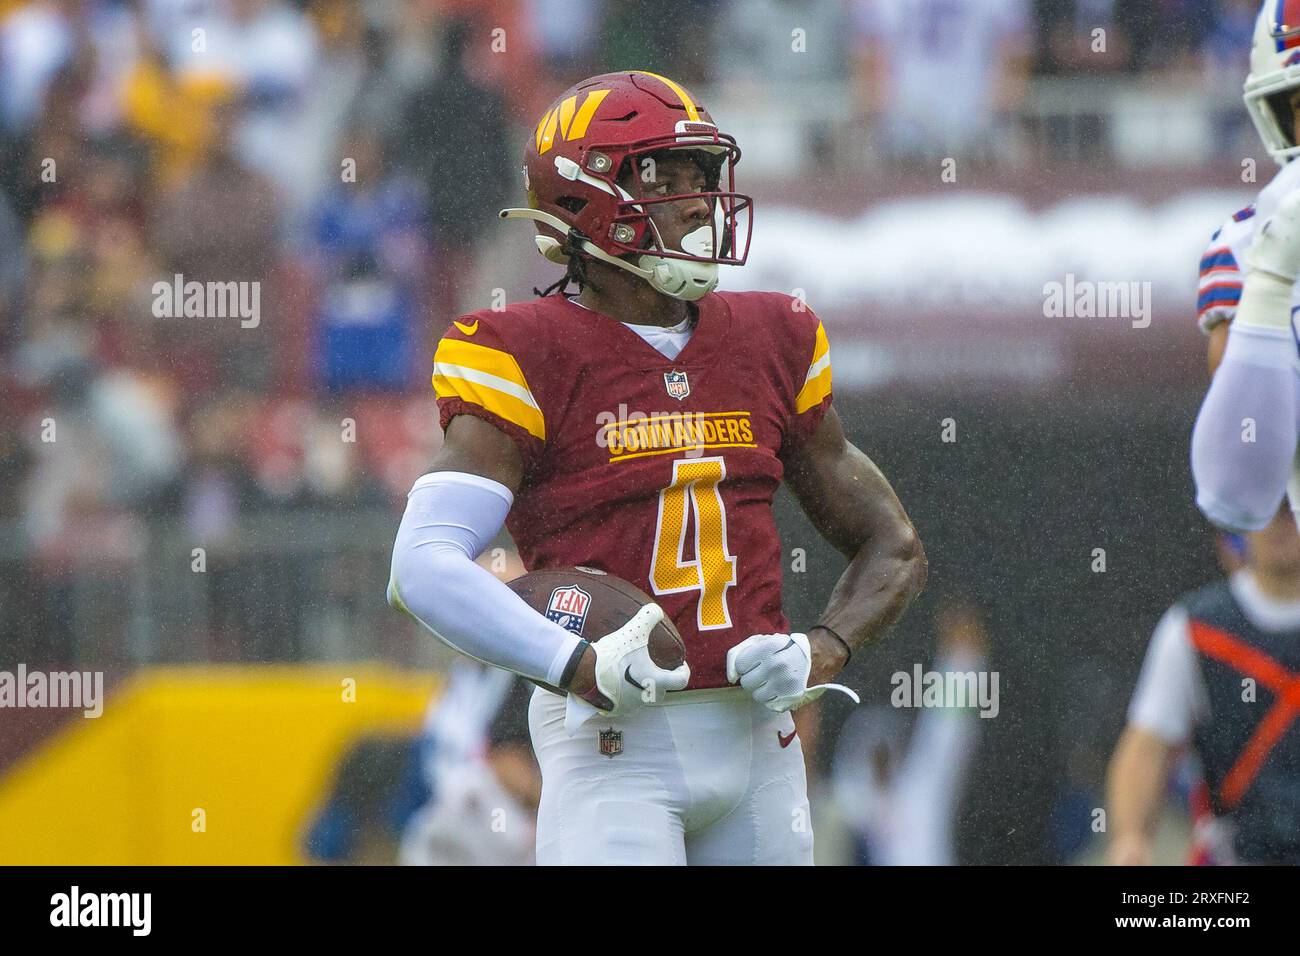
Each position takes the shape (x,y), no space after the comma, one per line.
(554,250)
(665,275)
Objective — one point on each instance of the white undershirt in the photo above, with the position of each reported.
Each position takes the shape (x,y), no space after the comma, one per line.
(668,340)
(1170,698)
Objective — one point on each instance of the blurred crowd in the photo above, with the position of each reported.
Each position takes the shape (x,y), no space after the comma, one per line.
(346,157)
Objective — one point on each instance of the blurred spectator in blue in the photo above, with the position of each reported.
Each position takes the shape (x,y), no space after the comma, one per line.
(365,331)
(369,244)
(375,210)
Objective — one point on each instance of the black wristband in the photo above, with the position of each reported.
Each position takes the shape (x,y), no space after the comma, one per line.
(571,668)
(845,644)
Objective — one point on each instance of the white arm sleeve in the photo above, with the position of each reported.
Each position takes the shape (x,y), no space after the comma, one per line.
(450,518)
(1241,470)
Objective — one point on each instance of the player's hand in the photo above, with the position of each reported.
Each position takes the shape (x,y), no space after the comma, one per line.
(774,668)
(624,675)
(1276,250)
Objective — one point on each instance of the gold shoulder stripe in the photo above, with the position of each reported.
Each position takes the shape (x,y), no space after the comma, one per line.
(490,378)
(817,384)
(482,358)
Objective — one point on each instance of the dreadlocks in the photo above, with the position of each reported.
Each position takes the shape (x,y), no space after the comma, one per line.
(576,271)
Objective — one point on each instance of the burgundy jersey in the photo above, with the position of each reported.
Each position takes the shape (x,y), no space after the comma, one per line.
(660,471)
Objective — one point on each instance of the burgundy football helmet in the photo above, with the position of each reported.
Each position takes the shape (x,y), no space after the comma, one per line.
(598,132)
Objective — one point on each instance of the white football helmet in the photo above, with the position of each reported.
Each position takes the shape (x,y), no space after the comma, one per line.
(1274,75)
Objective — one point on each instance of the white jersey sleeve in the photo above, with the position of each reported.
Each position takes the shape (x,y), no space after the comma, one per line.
(1170,698)
(1223,267)
(1222,270)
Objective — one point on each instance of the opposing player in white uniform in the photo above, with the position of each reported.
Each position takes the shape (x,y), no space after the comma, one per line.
(1244,443)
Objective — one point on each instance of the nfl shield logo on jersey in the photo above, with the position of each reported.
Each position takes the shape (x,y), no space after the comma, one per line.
(568,608)
(611,742)
(677,385)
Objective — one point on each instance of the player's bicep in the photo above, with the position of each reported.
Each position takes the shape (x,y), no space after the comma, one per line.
(476,447)
(846,497)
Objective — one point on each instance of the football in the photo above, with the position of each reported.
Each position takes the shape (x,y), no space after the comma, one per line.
(591,604)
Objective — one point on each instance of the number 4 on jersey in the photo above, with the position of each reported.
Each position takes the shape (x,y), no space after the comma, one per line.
(713,569)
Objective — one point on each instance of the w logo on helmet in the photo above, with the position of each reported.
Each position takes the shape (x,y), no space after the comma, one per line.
(568,119)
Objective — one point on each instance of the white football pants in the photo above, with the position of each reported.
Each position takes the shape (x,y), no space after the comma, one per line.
(708,778)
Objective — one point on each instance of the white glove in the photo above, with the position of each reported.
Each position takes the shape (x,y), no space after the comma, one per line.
(774,668)
(625,674)
(626,677)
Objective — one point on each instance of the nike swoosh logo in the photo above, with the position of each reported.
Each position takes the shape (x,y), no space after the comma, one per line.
(788,646)
(467,329)
(627,676)
(785,741)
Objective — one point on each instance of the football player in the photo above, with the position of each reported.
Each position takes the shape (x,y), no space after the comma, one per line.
(641,427)
(1244,443)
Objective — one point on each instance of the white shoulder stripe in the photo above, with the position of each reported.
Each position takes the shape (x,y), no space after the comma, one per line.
(487,380)
(818,366)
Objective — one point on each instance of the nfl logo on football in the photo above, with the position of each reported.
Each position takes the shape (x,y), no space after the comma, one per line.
(568,608)
(677,385)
